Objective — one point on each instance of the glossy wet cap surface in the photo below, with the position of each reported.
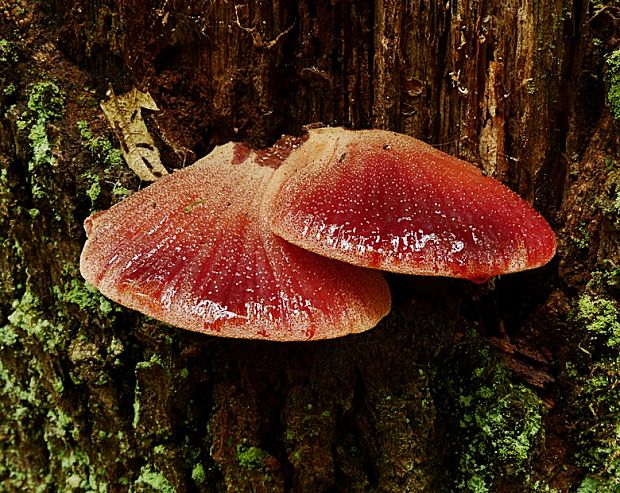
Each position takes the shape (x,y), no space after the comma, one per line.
(388,201)
(195,250)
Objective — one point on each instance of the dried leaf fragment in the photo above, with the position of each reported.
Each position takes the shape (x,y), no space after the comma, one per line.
(124,113)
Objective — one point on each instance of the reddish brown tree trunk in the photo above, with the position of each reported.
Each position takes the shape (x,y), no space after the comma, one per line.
(508,386)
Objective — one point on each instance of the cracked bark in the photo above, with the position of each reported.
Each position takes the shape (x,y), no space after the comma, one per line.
(125,402)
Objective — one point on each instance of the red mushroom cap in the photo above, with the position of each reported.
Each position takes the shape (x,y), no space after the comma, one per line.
(388,201)
(195,250)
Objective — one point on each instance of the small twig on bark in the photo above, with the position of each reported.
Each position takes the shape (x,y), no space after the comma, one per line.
(257,37)
(607,9)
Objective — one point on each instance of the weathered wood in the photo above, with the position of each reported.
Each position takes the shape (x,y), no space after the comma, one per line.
(111,401)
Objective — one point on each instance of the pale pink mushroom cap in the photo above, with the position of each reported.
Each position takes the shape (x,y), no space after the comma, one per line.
(388,201)
(195,250)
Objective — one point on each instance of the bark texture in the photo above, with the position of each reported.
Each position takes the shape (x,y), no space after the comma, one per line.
(510,386)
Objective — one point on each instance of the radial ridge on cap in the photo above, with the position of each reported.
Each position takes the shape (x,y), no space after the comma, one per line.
(383,200)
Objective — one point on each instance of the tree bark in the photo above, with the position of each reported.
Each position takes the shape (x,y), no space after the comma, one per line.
(509,386)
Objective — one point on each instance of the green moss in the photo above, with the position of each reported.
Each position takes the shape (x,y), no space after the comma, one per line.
(9,90)
(600,318)
(155,479)
(8,336)
(250,457)
(297,456)
(613,76)
(610,201)
(8,52)
(136,409)
(20,402)
(589,485)
(121,192)
(198,474)
(115,351)
(38,191)
(100,148)
(83,295)
(582,240)
(46,100)
(500,422)
(94,190)
(155,359)
(611,274)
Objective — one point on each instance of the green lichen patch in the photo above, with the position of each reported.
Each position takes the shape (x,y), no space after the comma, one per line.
(65,358)
(20,402)
(29,317)
(9,90)
(609,202)
(120,192)
(35,121)
(152,399)
(84,296)
(582,237)
(36,401)
(8,336)
(153,480)
(500,422)
(250,457)
(108,160)
(94,191)
(8,52)
(198,474)
(100,148)
(12,271)
(595,371)
(32,404)
(45,103)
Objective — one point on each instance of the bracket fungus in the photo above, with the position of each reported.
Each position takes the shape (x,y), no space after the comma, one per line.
(247,243)
(195,250)
(384,200)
